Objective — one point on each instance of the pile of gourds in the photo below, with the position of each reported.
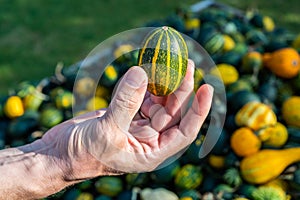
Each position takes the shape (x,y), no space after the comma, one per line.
(257,155)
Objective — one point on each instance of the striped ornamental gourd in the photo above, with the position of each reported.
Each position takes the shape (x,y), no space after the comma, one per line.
(164,57)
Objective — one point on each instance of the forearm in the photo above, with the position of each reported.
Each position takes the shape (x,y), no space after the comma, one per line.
(29,172)
(46,166)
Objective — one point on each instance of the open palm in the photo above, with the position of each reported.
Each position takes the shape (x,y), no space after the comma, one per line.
(138,131)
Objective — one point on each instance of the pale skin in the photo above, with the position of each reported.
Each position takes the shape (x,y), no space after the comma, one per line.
(136,133)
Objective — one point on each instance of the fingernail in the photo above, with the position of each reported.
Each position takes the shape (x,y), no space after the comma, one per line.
(135,77)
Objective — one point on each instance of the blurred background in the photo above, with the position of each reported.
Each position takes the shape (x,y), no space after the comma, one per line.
(256,52)
(36,35)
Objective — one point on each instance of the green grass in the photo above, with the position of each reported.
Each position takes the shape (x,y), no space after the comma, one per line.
(35,34)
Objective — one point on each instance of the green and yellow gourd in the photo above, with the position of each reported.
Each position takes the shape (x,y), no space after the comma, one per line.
(108,185)
(50,116)
(188,177)
(164,57)
(255,115)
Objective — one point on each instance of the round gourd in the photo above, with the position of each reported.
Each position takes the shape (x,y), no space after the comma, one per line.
(71,194)
(50,117)
(23,125)
(188,177)
(240,99)
(275,45)
(189,195)
(191,24)
(277,135)
(206,31)
(257,20)
(136,179)
(224,191)
(263,192)
(285,62)
(228,43)
(157,193)
(244,142)
(232,177)
(102,91)
(255,115)
(121,52)
(214,44)
(25,88)
(279,183)
(13,107)
(268,91)
(256,36)
(164,57)
(96,103)
(240,85)
(294,134)
(226,72)
(85,196)
(33,100)
(216,161)
(64,100)
(246,190)
(291,111)
(268,24)
(251,62)
(84,87)
(110,186)
(109,76)
(230,57)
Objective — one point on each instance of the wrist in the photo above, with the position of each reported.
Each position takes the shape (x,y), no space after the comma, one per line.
(43,173)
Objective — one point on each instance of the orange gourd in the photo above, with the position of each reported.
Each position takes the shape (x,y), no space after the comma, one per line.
(284,63)
(244,142)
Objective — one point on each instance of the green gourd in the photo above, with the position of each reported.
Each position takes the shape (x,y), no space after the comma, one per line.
(164,57)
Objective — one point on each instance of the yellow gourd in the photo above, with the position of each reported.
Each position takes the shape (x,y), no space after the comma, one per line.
(244,142)
(84,87)
(96,103)
(14,107)
(267,164)
(227,73)
(278,135)
(291,111)
(216,161)
(229,43)
(268,23)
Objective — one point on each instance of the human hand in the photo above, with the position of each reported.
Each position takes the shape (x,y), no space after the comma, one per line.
(136,133)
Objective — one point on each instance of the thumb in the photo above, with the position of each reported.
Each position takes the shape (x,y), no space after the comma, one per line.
(128,98)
